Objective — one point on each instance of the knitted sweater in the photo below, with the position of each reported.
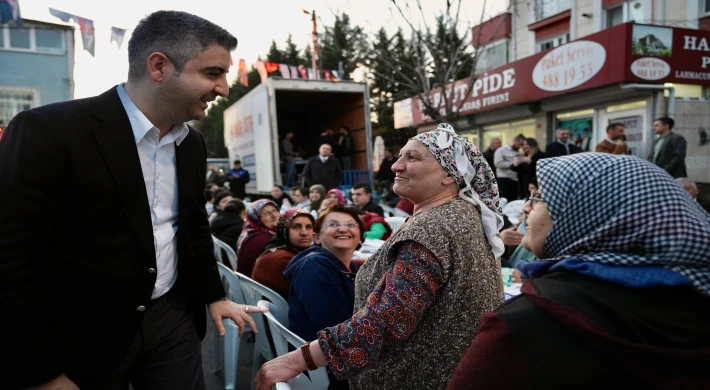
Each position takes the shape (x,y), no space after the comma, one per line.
(471,286)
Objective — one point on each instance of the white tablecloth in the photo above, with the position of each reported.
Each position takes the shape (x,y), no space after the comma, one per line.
(512,291)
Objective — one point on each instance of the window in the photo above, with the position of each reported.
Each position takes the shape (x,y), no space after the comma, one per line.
(546,8)
(15,100)
(41,39)
(553,42)
(625,12)
(706,6)
(492,56)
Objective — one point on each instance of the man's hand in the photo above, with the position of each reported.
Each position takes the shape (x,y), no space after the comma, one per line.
(620,142)
(511,236)
(221,310)
(59,383)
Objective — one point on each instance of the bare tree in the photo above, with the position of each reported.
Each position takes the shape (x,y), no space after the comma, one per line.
(438,57)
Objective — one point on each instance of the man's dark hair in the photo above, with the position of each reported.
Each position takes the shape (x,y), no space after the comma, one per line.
(336,208)
(364,186)
(237,162)
(613,125)
(520,137)
(303,191)
(179,35)
(235,206)
(666,121)
(209,195)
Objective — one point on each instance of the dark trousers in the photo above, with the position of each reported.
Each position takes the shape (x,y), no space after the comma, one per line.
(508,188)
(166,352)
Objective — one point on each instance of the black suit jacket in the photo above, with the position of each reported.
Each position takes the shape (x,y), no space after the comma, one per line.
(671,157)
(76,240)
(556,149)
(329,174)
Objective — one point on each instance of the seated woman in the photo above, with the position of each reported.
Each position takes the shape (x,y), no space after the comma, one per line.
(281,198)
(221,197)
(620,296)
(294,233)
(317,196)
(420,297)
(334,196)
(262,217)
(322,276)
(227,225)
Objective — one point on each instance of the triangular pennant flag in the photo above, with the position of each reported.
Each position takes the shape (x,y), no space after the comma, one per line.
(302,69)
(243,73)
(334,75)
(63,16)
(10,12)
(311,75)
(271,67)
(261,68)
(86,27)
(327,75)
(285,73)
(117,35)
(294,72)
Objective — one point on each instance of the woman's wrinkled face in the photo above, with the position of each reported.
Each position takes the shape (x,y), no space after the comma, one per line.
(314,196)
(269,216)
(418,174)
(339,231)
(539,225)
(300,233)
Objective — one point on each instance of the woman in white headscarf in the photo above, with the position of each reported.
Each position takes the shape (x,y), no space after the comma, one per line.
(419,299)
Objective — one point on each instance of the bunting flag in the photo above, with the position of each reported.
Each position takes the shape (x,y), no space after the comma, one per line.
(86,26)
(327,74)
(117,35)
(285,73)
(243,73)
(294,72)
(311,75)
(261,68)
(271,67)
(334,76)
(10,12)
(302,69)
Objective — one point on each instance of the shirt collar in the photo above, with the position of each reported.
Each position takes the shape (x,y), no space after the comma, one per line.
(609,140)
(141,124)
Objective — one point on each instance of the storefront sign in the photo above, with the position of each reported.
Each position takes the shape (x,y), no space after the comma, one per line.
(633,133)
(627,53)
(649,68)
(569,66)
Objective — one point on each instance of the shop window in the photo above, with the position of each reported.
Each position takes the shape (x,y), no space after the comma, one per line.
(553,42)
(15,100)
(546,8)
(492,56)
(706,6)
(626,106)
(625,12)
(473,137)
(20,38)
(40,39)
(49,40)
(686,91)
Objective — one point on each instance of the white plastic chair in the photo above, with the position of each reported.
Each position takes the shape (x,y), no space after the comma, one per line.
(389,211)
(253,293)
(220,249)
(401,213)
(395,222)
(513,210)
(300,382)
(282,338)
(231,339)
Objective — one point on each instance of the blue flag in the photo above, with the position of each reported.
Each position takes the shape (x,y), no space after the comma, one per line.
(10,12)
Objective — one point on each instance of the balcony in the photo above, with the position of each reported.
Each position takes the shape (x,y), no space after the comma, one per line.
(543,9)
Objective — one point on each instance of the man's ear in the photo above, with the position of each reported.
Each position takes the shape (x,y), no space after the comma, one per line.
(158,64)
(316,238)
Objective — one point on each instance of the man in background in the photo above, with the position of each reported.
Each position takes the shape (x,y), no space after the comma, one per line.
(669,148)
(489,154)
(362,198)
(614,141)
(692,189)
(561,146)
(238,178)
(323,169)
(507,159)
(289,156)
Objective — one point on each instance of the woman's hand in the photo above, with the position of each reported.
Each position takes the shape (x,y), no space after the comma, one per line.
(511,236)
(280,369)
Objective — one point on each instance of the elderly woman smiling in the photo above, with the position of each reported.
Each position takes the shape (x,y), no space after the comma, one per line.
(620,298)
(420,297)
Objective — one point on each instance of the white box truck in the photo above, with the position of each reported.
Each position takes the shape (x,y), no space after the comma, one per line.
(255,125)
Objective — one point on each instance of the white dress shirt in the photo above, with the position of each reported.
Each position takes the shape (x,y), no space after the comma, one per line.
(158,163)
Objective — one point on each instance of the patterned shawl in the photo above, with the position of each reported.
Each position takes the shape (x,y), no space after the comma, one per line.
(281,240)
(465,163)
(611,210)
(253,223)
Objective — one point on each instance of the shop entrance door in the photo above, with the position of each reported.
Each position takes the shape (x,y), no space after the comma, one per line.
(635,124)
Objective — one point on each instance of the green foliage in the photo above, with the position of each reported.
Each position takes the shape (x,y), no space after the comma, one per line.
(344,43)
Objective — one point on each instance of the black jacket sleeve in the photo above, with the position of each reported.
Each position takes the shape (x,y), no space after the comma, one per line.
(34,168)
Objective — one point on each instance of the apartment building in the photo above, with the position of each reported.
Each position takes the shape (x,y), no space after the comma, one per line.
(582,64)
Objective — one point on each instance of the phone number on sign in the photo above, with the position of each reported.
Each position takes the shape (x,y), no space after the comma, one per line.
(568,78)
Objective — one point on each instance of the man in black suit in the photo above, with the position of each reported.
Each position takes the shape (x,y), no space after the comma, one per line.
(561,147)
(323,169)
(105,249)
(669,149)
(489,154)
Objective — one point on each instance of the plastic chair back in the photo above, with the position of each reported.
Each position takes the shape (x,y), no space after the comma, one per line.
(395,222)
(401,213)
(222,250)
(300,382)
(282,338)
(389,211)
(231,340)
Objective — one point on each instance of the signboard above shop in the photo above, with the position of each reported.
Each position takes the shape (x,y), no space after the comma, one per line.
(632,53)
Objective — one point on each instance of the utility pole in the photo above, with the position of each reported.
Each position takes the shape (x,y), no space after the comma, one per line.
(314,34)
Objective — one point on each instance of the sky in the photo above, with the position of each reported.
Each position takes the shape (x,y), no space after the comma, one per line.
(254,23)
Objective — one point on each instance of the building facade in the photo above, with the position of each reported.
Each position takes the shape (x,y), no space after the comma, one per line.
(37,66)
(582,64)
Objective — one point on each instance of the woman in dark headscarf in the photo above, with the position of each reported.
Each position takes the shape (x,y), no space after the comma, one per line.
(259,228)
(621,297)
(420,297)
(317,196)
(294,233)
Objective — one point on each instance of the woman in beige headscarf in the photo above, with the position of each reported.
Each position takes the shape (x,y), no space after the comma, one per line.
(419,299)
